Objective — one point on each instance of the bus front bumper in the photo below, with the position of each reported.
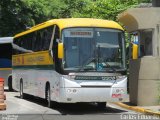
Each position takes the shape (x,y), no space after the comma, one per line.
(74,95)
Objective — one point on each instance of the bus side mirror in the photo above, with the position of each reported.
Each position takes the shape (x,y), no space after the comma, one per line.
(134,51)
(60,50)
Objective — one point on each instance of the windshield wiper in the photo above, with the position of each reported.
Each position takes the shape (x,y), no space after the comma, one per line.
(114,70)
(85,67)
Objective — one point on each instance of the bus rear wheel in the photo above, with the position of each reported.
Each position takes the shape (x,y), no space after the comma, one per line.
(10,83)
(48,96)
(101,105)
(21,90)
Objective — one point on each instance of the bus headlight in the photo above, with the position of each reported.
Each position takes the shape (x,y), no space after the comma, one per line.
(122,91)
(71,90)
(74,90)
(119,91)
(72,76)
(120,77)
(69,77)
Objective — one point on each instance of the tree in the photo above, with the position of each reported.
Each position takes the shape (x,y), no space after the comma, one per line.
(105,9)
(9,20)
(18,15)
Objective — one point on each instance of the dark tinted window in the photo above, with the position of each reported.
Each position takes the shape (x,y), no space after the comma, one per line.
(5,55)
(35,41)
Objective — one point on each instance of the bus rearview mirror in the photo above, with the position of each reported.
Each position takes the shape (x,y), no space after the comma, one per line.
(60,50)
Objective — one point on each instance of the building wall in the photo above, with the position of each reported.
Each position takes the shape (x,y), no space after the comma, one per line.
(140,18)
(144,81)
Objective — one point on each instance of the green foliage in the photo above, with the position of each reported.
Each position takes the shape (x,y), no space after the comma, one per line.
(18,15)
(145,1)
(9,19)
(105,9)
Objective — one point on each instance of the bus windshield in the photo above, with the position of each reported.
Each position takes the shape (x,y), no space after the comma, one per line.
(93,49)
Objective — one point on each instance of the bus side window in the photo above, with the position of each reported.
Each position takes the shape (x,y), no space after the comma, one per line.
(34,37)
(18,42)
(37,44)
(14,51)
(26,41)
(47,34)
(42,40)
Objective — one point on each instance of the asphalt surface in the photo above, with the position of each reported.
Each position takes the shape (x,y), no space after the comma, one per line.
(32,108)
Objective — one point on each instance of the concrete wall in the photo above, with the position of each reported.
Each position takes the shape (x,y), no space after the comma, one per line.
(144,81)
(156,3)
(133,80)
(144,78)
(140,18)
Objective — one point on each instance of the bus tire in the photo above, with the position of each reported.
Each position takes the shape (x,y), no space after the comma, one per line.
(21,89)
(10,88)
(101,105)
(48,96)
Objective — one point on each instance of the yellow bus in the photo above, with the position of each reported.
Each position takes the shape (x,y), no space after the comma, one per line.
(71,60)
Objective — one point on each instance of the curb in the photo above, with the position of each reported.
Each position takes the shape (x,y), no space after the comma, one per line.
(137,109)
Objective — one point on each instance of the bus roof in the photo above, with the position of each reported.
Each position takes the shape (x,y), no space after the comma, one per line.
(73,22)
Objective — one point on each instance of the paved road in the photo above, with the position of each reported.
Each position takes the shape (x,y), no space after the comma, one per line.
(35,109)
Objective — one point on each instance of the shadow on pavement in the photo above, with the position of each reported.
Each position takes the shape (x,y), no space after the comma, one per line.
(74,108)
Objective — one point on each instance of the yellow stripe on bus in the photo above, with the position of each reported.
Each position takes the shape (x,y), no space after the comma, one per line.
(5,68)
(35,58)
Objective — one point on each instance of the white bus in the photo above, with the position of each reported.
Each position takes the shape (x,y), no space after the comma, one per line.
(6,61)
(71,60)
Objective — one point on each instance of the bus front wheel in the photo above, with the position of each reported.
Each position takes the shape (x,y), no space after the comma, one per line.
(101,105)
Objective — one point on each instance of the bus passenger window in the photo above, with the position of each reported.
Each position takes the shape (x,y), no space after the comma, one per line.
(43,38)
